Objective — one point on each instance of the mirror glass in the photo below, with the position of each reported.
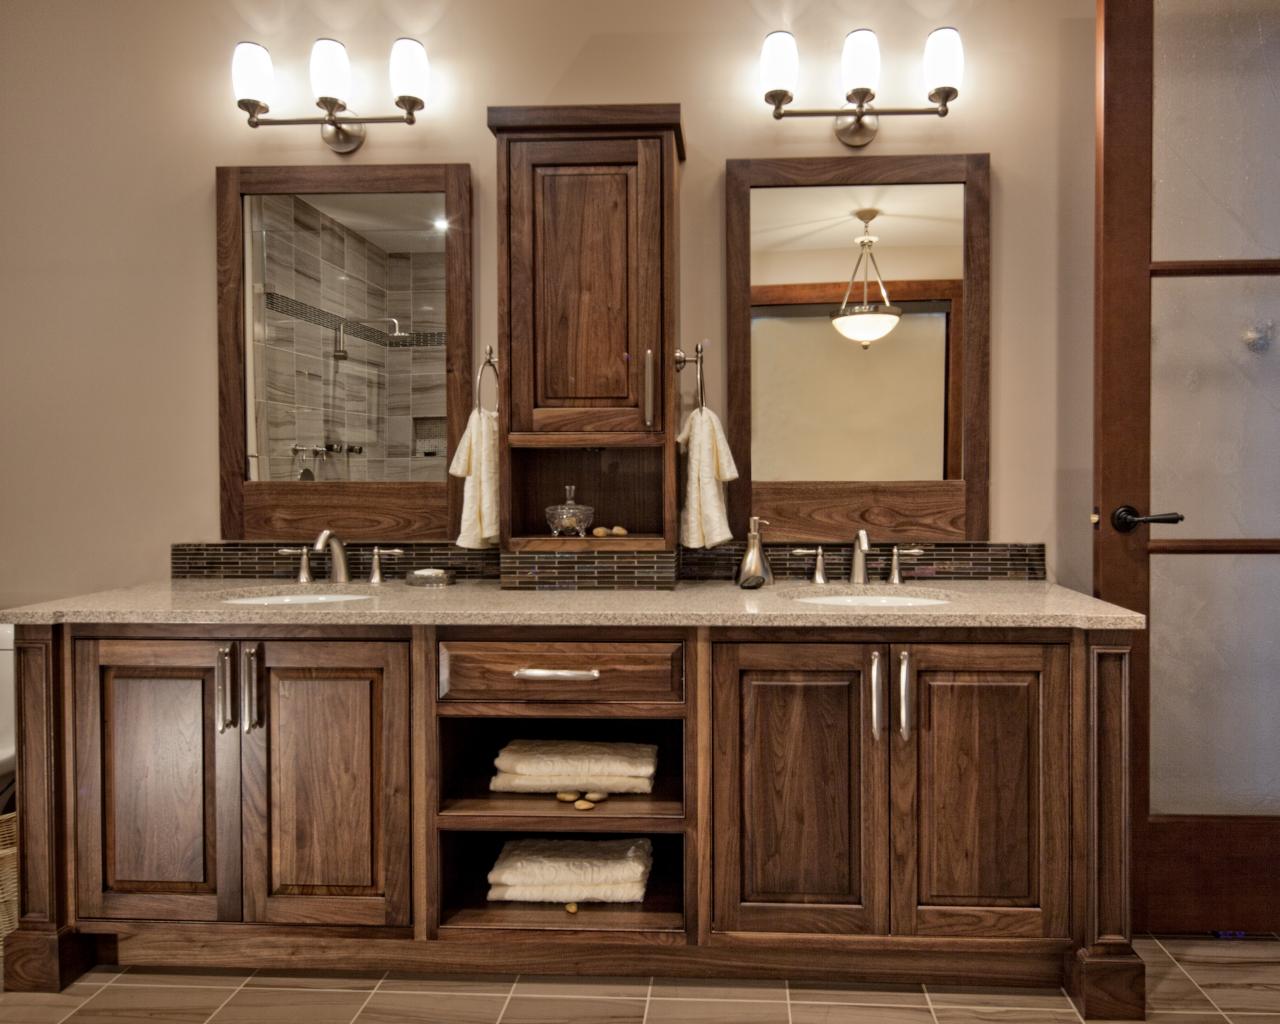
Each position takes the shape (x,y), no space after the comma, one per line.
(823,406)
(345,306)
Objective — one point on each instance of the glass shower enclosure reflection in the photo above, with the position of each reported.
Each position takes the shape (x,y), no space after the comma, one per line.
(345,306)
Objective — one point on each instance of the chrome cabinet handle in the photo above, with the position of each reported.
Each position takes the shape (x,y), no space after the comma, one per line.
(249,689)
(648,387)
(904,696)
(877,698)
(565,674)
(222,689)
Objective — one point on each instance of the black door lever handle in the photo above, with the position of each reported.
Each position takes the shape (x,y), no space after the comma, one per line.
(1126,519)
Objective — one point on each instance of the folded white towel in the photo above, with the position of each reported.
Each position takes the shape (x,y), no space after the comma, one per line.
(614,892)
(575,757)
(477,460)
(703,522)
(580,862)
(509,782)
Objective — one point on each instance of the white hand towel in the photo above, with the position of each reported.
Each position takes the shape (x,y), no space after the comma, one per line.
(508,782)
(570,892)
(577,757)
(477,460)
(572,861)
(703,522)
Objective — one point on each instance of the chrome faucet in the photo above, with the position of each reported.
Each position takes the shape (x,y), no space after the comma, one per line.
(858,571)
(337,556)
(895,572)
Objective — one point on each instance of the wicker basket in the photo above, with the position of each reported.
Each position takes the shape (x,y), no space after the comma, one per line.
(9,831)
(8,891)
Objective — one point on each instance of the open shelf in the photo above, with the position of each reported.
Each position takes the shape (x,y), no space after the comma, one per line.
(631,542)
(585,439)
(468,747)
(468,856)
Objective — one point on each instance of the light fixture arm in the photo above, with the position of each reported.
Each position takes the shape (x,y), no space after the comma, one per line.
(341,134)
(856,125)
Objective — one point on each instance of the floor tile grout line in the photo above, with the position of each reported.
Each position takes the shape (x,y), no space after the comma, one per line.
(231,996)
(928,1001)
(369,998)
(786,986)
(648,998)
(503,1012)
(1178,963)
(106,984)
(1074,1009)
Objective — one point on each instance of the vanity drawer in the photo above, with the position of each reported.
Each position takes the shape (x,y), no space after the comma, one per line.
(562,671)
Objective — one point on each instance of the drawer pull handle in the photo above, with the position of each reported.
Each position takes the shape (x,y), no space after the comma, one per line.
(877,698)
(222,689)
(573,675)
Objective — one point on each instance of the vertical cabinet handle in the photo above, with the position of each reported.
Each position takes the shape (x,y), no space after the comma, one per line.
(648,387)
(249,704)
(877,698)
(222,689)
(904,696)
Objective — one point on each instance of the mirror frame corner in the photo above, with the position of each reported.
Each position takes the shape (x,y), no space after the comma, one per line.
(832,511)
(357,510)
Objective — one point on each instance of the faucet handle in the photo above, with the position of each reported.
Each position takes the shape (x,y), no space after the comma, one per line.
(819,563)
(304,567)
(895,571)
(375,569)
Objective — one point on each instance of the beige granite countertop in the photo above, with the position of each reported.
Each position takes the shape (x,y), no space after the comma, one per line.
(971,604)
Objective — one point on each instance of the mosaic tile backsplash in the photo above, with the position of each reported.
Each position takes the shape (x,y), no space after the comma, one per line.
(967,560)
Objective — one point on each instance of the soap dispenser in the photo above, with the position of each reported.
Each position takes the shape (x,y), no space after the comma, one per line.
(754,571)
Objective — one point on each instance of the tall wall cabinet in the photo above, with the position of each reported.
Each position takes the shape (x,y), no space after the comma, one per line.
(588,320)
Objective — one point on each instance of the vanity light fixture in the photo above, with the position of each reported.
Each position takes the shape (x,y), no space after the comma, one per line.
(866,321)
(253,79)
(857,124)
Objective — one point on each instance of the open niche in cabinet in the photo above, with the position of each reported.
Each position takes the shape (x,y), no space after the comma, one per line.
(587,321)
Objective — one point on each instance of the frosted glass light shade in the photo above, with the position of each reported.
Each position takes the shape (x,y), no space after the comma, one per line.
(252,76)
(860,61)
(943,60)
(410,70)
(868,325)
(779,63)
(330,70)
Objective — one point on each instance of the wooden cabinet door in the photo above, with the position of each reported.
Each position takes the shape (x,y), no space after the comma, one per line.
(980,799)
(326,782)
(586,285)
(157,762)
(800,779)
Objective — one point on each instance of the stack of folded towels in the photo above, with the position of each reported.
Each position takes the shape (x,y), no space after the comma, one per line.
(551,766)
(572,871)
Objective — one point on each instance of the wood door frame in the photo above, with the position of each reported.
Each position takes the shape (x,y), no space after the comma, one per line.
(358,510)
(1174,886)
(825,511)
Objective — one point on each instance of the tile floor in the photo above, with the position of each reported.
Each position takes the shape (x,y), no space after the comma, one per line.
(1189,981)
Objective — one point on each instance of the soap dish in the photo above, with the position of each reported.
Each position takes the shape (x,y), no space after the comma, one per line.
(430,578)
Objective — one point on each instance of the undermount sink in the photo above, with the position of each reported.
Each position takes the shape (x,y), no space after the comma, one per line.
(277,599)
(869,597)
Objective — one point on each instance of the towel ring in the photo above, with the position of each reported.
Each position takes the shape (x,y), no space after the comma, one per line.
(682,360)
(489,361)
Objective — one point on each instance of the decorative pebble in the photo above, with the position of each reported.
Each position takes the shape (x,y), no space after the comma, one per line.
(600,531)
(597,797)
(568,796)
(572,908)
(619,531)
(583,805)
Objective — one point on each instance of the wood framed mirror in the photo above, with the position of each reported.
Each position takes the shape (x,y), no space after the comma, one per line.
(344,349)
(831,436)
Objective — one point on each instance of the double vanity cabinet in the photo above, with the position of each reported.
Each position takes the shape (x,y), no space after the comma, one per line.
(853,801)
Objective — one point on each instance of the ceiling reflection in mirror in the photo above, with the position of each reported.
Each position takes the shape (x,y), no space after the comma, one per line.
(856,298)
(345,306)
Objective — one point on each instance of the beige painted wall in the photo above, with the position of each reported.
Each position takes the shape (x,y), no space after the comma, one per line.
(117,112)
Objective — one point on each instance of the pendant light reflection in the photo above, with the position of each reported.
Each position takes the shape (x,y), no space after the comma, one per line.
(866,321)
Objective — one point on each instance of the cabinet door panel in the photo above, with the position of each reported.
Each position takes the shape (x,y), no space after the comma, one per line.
(326,784)
(157,781)
(800,787)
(980,798)
(585,279)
